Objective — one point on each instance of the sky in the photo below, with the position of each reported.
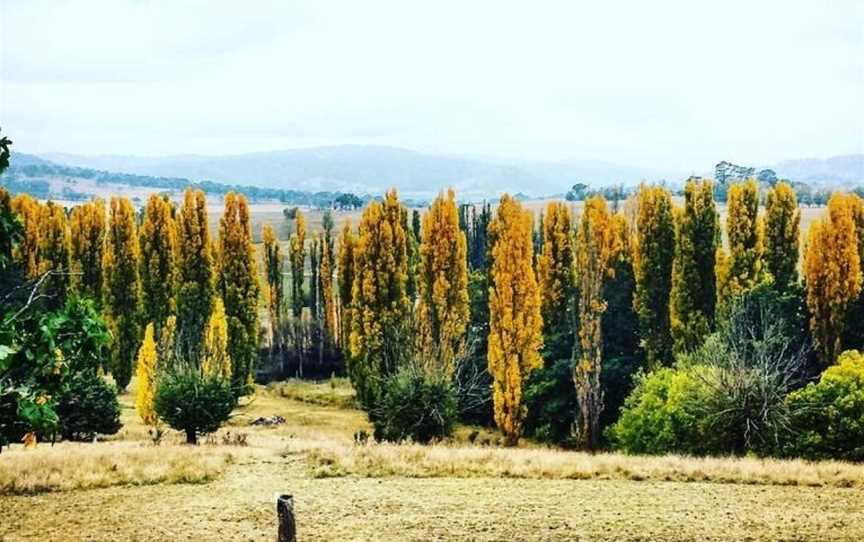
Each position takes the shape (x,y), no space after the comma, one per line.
(666,84)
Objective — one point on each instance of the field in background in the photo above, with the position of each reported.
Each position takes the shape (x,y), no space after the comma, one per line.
(345,491)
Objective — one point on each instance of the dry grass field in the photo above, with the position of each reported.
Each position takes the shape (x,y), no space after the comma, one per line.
(127,488)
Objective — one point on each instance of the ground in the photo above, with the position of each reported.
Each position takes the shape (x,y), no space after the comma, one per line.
(239,503)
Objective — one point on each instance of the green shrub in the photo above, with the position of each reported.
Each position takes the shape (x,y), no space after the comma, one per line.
(828,416)
(88,408)
(194,404)
(416,406)
(550,399)
(662,415)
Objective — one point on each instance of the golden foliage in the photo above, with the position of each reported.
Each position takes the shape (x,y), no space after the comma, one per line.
(598,243)
(145,377)
(557,279)
(54,249)
(325,274)
(195,273)
(297,257)
(381,308)
(782,232)
(345,282)
(215,359)
(273,266)
(158,237)
(27,252)
(443,305)
(744,231)
(87,244)
(515,322)
(832,269)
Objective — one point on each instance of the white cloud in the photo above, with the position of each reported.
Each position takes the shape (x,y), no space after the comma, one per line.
(665,84)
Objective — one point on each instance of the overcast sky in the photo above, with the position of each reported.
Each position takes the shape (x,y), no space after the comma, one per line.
(666,84)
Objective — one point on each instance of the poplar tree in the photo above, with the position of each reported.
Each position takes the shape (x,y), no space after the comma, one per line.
(328,304)
(238,287)
(215,358)
(744,233)
(158,238)
(515,322)
(832,267)
(345,284)
(195,275)
(145,377)
(443,279)
(27,253)
(87,245)
(694,280)
(297,257)
(54,252)
(10,230)
(557,279)
(597,245)
(273,270)
(122,288)
(782,233)
(853,337)
(653,254)
(381,308)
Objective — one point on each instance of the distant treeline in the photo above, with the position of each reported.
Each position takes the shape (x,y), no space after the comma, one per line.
(32,179)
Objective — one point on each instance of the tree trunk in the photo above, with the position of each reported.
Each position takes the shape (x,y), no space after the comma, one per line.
(285,512)
(191,436)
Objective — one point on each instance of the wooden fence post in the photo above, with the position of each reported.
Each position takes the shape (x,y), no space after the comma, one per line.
(287,526)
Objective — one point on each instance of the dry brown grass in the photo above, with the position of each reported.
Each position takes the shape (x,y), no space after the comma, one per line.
(68,466)
(333,459)
(335,392)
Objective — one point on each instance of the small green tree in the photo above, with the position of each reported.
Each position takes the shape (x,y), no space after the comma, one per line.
(194,404)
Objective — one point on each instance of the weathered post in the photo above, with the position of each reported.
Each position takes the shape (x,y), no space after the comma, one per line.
(285,511)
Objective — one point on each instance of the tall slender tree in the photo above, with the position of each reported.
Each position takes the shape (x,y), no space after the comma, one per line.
(694,280)
(381,308)
(27,252)
(443,294)
(653,254)
(216,359)
(158,237)
(782,233)
(297,257)
(238,287)
(328,304)
(54,252)
(557,278)
(515,322)
(87,244)
(273,270)
(744,232)
(195,288)
(832,268)
(345,282)
(146,377)
(596,247)
(122,288)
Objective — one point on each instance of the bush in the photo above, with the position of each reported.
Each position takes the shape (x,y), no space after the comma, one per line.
(662,415)
(416,406)
(828,416)
(194,404)
(89,408)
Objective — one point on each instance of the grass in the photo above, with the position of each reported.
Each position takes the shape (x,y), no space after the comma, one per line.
(69,466)
(335,392)
(329,459)
(115,491)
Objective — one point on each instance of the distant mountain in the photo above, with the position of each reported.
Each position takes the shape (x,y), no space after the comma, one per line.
(372,169)
(847,170)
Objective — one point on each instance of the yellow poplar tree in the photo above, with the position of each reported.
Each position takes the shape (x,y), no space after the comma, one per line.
(782,233)
(87,244)
(694,280)
(216,360)
(158,237)
(325,274)
(27,253)
(598,243)
(832,268)
(54,251)
(195,274)
(381,308)
(443,276)
(297,259)
(122,288)
(239,288)
(515,322)
(145,378)
(345,283)
(555,273)
(273,268)
(744,233)
(653,255)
